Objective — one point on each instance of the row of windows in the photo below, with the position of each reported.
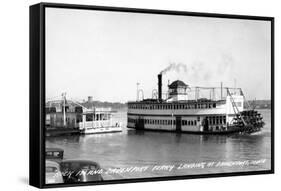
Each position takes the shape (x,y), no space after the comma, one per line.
(98,117)
(163,122)
(172,106)
(213,120)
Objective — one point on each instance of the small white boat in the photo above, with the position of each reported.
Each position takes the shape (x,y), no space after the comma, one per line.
(98,120)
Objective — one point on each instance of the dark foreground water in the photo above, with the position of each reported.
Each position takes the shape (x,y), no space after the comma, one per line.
(134,154)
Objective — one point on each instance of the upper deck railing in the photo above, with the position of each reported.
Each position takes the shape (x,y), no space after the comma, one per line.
(197,93)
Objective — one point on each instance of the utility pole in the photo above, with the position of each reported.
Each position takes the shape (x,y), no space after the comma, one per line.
(64,114)
(138,91)
(221,90)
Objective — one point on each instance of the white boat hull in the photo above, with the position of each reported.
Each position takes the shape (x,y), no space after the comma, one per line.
(101,130)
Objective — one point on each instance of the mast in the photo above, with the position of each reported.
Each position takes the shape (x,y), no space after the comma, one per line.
(64,115)
(138,91)
(221,90)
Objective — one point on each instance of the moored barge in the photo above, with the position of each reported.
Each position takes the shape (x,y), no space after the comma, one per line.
(70,117)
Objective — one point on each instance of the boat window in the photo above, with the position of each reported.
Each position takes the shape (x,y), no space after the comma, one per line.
(89,117)
(195,122)
(78,118)
(214,105)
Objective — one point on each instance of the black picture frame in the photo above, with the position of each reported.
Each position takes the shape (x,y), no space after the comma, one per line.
(37,92)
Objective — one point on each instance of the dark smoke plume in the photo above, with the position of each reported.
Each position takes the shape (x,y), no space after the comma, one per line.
(178,67)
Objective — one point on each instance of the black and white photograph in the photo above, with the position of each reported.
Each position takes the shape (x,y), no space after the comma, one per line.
(137,95)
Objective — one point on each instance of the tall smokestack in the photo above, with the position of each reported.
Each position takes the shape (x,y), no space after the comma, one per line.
(160,86)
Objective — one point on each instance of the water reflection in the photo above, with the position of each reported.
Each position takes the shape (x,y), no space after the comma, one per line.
(137,148)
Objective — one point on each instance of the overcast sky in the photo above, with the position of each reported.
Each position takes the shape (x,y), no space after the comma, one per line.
(104,54)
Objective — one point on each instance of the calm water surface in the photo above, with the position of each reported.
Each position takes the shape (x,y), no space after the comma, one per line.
(133,148)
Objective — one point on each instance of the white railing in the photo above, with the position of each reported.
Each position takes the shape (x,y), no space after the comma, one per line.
(95,124)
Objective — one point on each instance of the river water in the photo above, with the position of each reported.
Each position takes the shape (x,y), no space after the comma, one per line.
(158,154)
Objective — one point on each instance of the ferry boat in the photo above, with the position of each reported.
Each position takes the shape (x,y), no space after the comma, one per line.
(178,112)
(68,117)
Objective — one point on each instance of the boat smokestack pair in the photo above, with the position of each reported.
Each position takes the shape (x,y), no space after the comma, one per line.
(160,86)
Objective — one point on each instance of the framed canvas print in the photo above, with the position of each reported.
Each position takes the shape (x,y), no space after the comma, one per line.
(122,95)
